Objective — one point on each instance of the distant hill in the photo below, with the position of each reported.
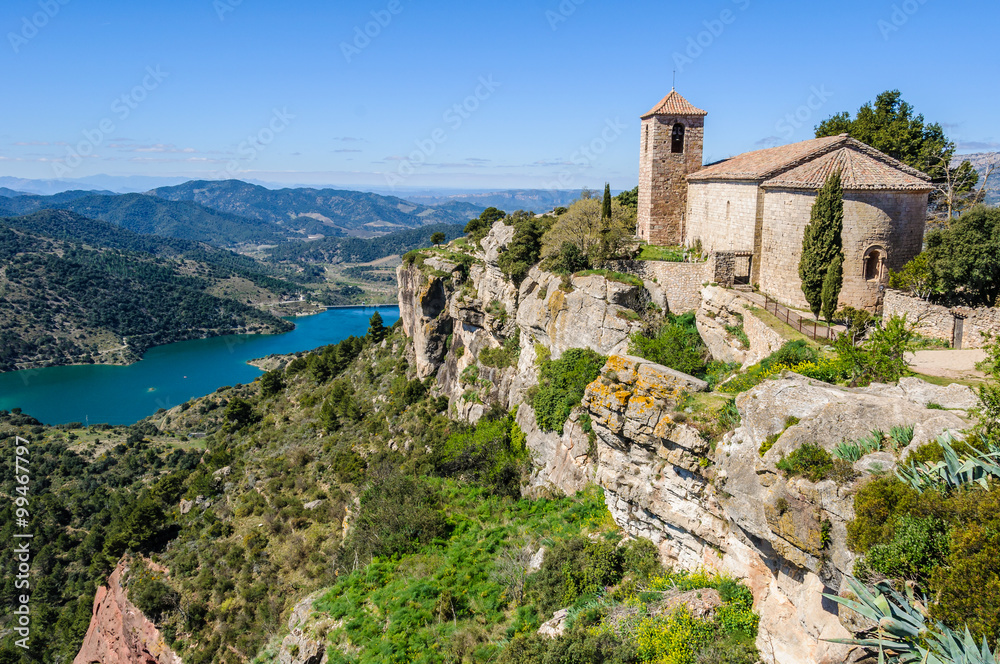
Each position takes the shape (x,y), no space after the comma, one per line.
(10,193)
(150,214)
(73,289)
(981,161)
(316,210)
(536,200)
(358,250)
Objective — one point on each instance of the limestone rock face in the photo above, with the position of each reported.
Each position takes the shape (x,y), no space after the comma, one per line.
(423,303)
(728,510)
(488,310)
(722,308)
(299,647)
(119,633)
(587,312)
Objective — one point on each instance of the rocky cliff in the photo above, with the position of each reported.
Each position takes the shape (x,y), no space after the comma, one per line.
(727,509)
(119,633)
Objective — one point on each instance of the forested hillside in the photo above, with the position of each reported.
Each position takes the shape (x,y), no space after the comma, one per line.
(314,210)
(358,250)
(148,214)
(435,565)
(89,292)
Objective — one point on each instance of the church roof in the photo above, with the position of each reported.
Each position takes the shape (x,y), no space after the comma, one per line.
(807,164)
(858,171)
(674,104)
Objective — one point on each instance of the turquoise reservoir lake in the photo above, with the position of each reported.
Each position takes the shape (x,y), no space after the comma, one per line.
(169,375)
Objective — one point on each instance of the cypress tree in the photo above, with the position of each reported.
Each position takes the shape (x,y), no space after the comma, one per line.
(832,283)
(606,223)
(822,241)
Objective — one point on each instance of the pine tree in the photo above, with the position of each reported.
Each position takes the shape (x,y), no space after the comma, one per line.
(376,329)
(822,241)
(832,283)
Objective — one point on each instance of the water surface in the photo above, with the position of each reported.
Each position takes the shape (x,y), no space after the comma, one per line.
(169,375)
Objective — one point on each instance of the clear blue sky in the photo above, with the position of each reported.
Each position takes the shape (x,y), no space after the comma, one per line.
(558,76)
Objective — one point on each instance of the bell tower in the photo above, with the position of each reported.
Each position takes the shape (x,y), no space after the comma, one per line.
(671,147)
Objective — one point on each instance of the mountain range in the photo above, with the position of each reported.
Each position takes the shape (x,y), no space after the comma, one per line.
(317,211)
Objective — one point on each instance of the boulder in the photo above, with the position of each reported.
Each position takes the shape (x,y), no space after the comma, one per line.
(299,647)
(555,627)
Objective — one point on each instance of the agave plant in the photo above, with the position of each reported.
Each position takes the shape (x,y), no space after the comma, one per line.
(847,451)
(903,635)
(955,471)
(901,436)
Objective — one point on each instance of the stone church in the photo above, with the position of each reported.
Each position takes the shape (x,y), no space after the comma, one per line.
(755,206)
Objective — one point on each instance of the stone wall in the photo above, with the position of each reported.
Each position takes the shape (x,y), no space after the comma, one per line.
(721,215)
(678,285)
(893,221)
(663,177)
(938,322)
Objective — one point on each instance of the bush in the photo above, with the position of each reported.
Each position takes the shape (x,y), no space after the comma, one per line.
(573,568)
(676,344)
(525,248)
(562,383)
(792,353)
(918,545)
(397,515)
(504,356)
(493,453)
(881,357)
(272,383)
(809,461)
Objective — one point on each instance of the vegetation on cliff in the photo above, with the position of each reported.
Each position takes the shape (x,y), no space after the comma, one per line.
(66,302)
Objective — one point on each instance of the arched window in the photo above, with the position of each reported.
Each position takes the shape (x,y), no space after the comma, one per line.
(677,139)
(729,208)
(646,138)
(874,258)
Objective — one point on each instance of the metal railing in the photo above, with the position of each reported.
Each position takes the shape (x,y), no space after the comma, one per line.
(806,326)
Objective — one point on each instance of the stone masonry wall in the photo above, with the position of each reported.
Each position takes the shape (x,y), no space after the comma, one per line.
(721,215)
(662,177)
(891,220)
(938,322)
(680,283)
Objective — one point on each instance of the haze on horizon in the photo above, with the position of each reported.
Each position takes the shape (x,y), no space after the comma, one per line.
(525,94)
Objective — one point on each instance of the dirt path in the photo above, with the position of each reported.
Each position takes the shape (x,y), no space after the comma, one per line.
(947,363)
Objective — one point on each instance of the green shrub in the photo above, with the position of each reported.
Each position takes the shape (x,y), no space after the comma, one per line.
(397,515)
(793,352)
(610,275)
(562,383)
(729,417)
(809,461)
(271,383)
(573,568)
(918,545)
(493,453)
(504,356)
(676,344)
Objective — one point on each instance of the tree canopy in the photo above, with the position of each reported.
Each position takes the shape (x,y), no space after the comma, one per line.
(891,125)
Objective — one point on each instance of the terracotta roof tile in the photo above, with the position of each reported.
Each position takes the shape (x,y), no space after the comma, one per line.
(763,164)
(674,104)
(859,171)
(807,163)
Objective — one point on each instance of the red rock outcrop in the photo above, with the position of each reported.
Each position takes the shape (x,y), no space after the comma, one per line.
(119,633)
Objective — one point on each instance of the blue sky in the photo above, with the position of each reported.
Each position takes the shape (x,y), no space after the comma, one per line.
(523,93)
